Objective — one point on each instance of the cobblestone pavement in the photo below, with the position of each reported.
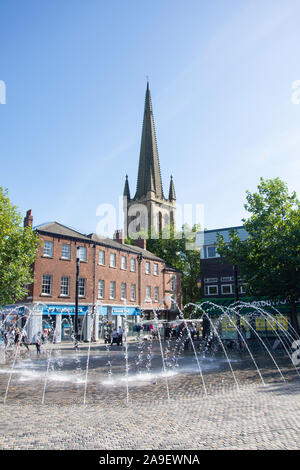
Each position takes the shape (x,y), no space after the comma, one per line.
(252,416)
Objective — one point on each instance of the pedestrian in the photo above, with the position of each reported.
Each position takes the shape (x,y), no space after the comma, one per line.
(38,345)
(114,337)
(120,336)
(24,339)
(244,336)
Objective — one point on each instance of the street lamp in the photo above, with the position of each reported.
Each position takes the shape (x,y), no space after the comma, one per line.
(237,298)
(77,295)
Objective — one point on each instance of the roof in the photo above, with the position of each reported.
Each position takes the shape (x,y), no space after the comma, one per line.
(55,228)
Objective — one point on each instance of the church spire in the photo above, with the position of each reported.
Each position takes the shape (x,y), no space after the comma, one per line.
(126,188)
(172,195)
(149,176)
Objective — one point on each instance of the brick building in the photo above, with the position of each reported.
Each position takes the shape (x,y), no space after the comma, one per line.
(113,277)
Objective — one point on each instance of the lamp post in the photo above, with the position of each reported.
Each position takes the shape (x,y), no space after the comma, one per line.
(77,295)
(237,298)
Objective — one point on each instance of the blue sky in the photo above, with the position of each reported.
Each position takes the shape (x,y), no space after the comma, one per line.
(221,75)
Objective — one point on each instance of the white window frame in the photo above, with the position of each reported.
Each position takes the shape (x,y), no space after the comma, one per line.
(133,291)
(243,288)
(227,279)
(47,283)
(101,257)
(156,294)
(208,288)
(82,287)
(65,286)
(63,253)
(148,292)
(112,260)
(112,289)
(48,249)
(215,255)
(148,267)
(211,280)
(132,265)
(123,262)
(155,269)
(227,285)
(82,253)
(123,287)
(173,283)
(100,289)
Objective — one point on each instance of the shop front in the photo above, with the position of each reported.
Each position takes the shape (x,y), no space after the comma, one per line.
(111,317)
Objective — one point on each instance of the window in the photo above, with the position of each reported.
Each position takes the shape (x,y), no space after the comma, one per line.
(173,283)
(65,286)
(101,289)
(243,288)
(66,251)
(147,267)
(156,294)
(112,261)
(48,249)
(148,292)
(82,253)
(123,262)
(132,265)
(132,291)
(211,290)
(123,291)
(155,269)
(112,290)
(227,279)
(227,289)
(211,279)
(173,304)
(82,285)
(101,259)
(211,252)
(47,284)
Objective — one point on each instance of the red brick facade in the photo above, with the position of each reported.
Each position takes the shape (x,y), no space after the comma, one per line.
(150,272)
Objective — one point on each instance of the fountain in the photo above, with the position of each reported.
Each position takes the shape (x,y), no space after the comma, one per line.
(211,348)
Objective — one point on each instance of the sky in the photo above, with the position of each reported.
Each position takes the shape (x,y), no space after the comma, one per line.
(221,77)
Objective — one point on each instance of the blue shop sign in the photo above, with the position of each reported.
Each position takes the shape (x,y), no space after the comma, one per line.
(103,309)
(64,310)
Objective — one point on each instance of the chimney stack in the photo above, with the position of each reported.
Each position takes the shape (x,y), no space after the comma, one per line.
(28,220)
(119,236)
(141,242)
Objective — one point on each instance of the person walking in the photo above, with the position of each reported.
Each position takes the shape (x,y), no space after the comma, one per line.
(38,346)
(120,335)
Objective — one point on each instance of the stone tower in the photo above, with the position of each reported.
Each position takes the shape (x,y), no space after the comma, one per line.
(148,208)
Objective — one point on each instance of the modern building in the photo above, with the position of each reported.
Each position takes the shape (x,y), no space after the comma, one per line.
(114,279)
(217,284)
(149,208)
(217,277)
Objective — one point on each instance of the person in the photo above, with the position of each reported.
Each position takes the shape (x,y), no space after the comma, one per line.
(120,336)
(38,345)
(114,337)
(24,340)
(17,336)
(244,336)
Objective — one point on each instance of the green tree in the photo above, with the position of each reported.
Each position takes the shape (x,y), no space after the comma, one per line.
(177,249)
(18,250)
(270,257)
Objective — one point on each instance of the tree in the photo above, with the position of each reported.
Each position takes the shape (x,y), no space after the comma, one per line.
(177,249)
(270,257)
(18,250)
